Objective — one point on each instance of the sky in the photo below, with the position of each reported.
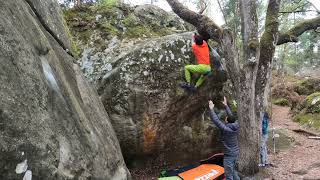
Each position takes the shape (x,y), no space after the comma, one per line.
(316,3)
(218,18)
(215,14)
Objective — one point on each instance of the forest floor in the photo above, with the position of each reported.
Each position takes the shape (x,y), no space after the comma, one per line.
(298,160)
(302,159)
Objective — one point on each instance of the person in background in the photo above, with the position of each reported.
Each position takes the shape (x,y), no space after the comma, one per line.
(229,131)
(264,140)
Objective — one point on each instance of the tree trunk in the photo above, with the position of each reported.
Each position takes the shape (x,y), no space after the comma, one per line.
(77,3)
(251,80)
(281,70)
(249,131)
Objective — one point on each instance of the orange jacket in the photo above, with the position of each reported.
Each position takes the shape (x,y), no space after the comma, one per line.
(202,53)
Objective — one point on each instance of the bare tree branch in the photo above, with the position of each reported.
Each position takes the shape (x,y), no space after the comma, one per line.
(230,58)
(298,11)
(203,6)
(293,34)
(249,28)
(77,3)
(318,11)
(205,26)
(222,11)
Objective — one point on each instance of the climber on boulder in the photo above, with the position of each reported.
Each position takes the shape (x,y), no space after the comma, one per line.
(201,51)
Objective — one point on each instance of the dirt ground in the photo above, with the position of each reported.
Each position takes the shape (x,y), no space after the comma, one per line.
(300,161)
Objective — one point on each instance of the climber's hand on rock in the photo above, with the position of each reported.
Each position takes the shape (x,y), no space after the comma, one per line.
(211,105)
(224,102)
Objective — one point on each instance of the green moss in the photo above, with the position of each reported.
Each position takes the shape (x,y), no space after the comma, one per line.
(69,14)
(308,86)
(85,14)
(253,44)
(108,28)
(309,119)
(99,45)
(312,103)
(281,102)
(107,10)
(138,31)
(233,106)
(84,36)
(302,90)
(83,24)
(108,3)
(130,21)
(75,49)
(78,21)
(313,96)
(135,29)
(164,32)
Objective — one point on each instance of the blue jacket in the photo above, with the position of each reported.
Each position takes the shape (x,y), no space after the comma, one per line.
(265,124)
(229,133)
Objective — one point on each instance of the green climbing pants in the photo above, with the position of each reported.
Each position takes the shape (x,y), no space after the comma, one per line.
(200,68)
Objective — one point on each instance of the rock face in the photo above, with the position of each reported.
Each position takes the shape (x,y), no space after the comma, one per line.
(151,114)
(309,111)
(157,17)
(308,86)
(309,71)
(101,27)
(52,123)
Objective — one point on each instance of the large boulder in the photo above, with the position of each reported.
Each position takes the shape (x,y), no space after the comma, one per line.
(309,71)
(308,113)
(151,114)
(96,26)
(52,123)
(157,17)
(308,86)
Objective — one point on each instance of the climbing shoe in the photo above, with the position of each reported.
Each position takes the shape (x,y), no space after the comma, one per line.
(185,85)
(193,88)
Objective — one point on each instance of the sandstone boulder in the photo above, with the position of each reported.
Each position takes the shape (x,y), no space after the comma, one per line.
(52,123)
(151,114)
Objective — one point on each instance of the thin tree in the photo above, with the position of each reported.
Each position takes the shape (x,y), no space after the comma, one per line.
(77,3)
(250,74)
(203,5)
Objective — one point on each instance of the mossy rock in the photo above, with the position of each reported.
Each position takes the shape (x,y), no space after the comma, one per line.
(109,28)
(131,21)
(109,11)
(282,142)
(311,98)
(309,119)
(105,21)
(308,86)
(138,31)
(312,103)
(281,102)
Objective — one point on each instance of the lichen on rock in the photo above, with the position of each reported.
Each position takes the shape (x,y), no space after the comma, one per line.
(312,103)
(120,20)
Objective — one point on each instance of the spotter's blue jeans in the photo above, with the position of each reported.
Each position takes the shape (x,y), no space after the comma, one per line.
(229,163)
